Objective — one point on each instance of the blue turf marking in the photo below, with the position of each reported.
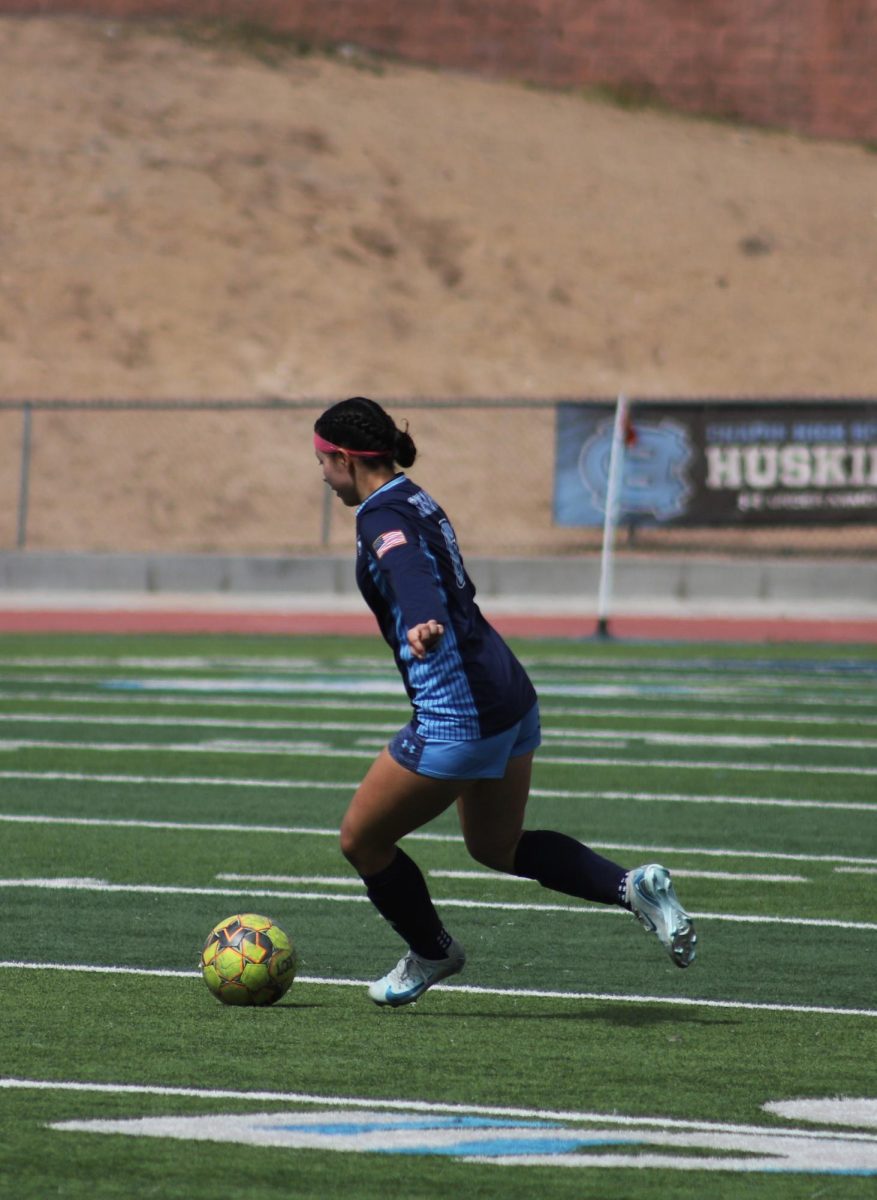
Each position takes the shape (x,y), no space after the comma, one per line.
(500,1147)
(415,1123)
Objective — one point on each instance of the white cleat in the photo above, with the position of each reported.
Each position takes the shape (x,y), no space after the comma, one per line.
(412,975)
(649,893)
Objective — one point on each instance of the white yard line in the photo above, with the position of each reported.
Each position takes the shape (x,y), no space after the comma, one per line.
(180,780)
(657,685)
(571,738)
(688,798)
(732,876)
(89,884)
(291,703)
(495,877)
(836,713)
(332,832)
(474,990)
(176,722)
(348,787)
(318,750)
(744,741)
(343,881)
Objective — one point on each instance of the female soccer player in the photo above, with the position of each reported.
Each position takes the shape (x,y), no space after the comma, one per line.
(475,723)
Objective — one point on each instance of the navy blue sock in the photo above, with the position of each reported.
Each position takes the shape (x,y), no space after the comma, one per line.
(401,896)
(565,865)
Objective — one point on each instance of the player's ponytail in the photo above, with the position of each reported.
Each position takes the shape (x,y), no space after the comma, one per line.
(362,427)
(404,450)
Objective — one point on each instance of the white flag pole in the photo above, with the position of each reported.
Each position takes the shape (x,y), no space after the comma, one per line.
(610,518)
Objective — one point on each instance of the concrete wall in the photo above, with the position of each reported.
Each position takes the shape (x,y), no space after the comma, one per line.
(645,581)
(806,65)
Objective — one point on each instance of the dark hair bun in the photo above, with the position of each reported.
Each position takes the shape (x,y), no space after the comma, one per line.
(404,450)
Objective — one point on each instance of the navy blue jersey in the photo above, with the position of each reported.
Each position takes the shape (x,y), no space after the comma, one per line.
(409,570)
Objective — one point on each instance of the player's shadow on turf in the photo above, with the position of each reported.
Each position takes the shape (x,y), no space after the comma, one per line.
(612,1015)
(653,1015)
(290,1004)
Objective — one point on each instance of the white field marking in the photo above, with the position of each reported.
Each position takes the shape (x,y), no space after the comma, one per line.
(752,716)
(535,793)
(390,686)
(694,678)
(192,662)
(856,870)
(87,884)
(687,798)
(277,662)
(110,699)
(716,852)
(741,668)
(317,750)
(181,780)
(472,989)
(523,1145)
(360,1102)
(682,680)
(686,765)
(230,827)
(691,665)
(198,826)
(571,737)
(853,1111)
(493,877)
(311,749)
(377,686)
(378,682)
(363,685)
(733,876)
(324,880)
(195,723)
(829,1152)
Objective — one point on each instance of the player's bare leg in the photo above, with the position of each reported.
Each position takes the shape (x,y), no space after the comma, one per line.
(491,813)
(390,802)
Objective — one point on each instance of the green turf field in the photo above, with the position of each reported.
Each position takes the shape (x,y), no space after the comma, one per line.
(152,786)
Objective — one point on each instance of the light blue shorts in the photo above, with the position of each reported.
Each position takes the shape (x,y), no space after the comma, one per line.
(484,758)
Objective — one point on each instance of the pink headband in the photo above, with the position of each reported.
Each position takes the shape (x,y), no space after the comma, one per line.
(325,447)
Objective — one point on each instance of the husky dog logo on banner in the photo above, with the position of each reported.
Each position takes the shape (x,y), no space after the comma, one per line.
(657,480)
(654,482)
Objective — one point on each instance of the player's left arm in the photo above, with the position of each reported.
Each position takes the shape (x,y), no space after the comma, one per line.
(395,544)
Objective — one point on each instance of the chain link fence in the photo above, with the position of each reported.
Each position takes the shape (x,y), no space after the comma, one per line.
(240,476)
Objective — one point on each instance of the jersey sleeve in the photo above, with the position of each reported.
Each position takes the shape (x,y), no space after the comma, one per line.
(392,542)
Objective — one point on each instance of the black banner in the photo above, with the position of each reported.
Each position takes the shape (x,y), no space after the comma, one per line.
(721,463)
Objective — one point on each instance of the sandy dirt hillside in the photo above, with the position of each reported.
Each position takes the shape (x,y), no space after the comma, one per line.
(186,215)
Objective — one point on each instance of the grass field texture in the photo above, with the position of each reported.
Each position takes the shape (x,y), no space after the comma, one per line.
(152,786)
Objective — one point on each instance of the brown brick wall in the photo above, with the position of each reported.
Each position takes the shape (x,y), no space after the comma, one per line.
(807,65)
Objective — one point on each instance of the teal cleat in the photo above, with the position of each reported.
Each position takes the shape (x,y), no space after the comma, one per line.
(652,900)
(412,975)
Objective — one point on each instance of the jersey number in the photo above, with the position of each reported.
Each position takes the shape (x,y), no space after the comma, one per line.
(454,551)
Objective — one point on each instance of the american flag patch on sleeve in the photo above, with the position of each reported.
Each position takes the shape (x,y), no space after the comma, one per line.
(387,541)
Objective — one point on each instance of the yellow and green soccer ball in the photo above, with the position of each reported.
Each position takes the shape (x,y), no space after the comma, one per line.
(247,959)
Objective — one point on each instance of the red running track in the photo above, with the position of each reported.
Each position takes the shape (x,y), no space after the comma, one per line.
(695,629)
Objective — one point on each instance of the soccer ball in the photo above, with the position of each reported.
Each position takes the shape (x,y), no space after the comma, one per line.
(247,959)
